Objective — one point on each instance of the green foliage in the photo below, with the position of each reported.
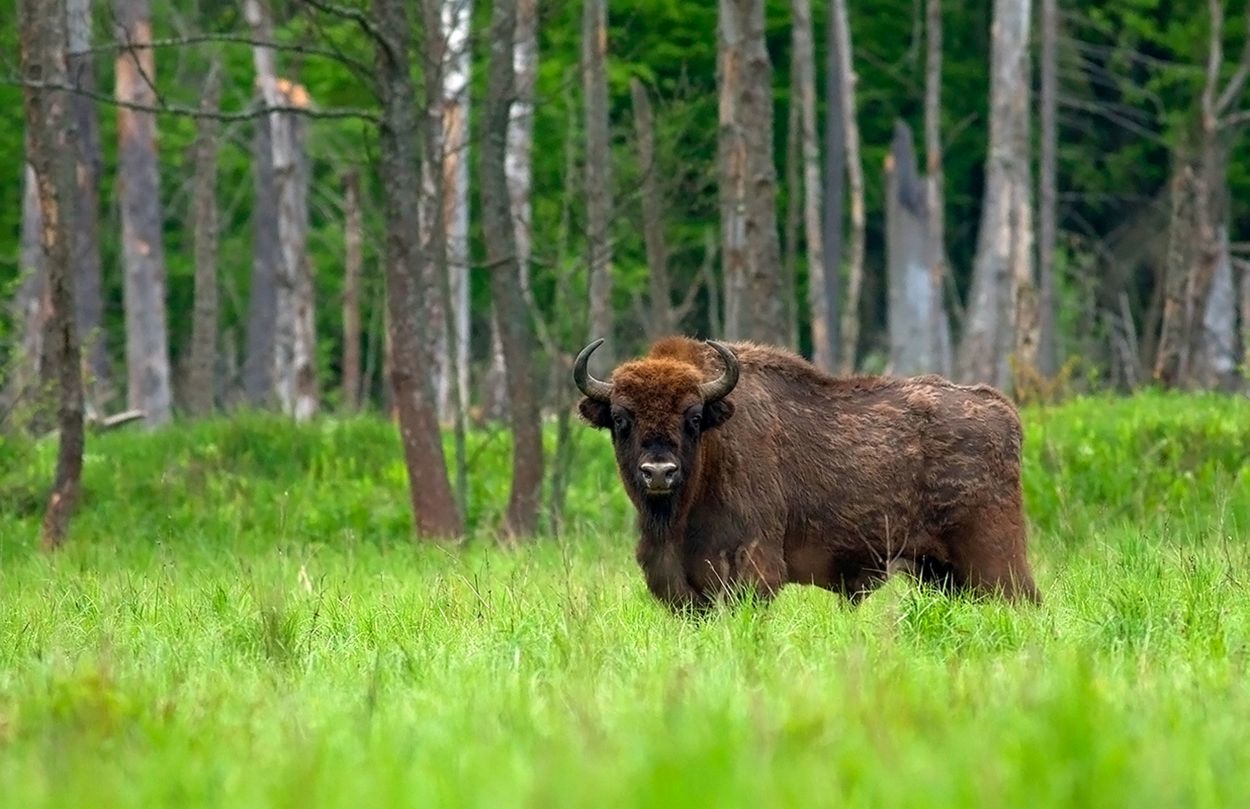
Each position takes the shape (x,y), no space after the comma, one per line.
(241,618)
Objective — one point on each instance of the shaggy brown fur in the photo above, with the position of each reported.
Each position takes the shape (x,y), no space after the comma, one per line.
(801,477)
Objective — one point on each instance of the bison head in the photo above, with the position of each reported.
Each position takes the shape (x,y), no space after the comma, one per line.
(657,409)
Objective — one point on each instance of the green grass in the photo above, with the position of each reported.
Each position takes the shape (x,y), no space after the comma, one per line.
(242,619)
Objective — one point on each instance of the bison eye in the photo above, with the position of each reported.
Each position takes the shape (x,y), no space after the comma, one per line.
(621,423)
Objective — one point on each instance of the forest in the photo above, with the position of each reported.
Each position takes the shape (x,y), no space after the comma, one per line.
(292,472)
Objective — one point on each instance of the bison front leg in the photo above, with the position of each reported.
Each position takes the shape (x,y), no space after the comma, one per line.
(755,569)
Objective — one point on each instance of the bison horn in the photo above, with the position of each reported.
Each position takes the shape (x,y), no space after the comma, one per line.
(718,389)
(595,389)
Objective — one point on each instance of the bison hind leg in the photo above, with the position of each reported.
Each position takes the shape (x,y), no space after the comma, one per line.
(988,554)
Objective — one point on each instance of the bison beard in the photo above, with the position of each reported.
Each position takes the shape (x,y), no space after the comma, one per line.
(751,469)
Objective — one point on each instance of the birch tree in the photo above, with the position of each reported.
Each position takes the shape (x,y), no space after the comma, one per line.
(841,30)
(823,309)
(201,380)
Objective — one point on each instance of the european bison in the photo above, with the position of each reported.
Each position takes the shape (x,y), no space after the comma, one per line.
(750,468)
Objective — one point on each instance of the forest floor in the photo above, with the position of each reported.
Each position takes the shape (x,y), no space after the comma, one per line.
(242,619)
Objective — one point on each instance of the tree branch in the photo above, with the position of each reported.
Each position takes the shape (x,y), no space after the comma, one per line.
(1215,57)
(1238,82)
(195,112)
(361,19)
(333,54)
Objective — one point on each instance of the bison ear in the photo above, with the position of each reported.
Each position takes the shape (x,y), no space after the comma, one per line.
(596,414)
(717,413)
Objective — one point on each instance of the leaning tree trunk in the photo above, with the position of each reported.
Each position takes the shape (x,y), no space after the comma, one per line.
(598,171)
(841,31)
(353,261)
(915,298)
(1003,270)
(88,285)
(748,178)
(515,327)
(434,507)
(202,378)
(822,307)
(53,148)
(143,252)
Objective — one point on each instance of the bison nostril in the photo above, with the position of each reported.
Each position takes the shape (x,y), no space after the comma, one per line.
(651,470)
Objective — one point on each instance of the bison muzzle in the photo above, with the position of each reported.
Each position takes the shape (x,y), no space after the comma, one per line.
(750,469)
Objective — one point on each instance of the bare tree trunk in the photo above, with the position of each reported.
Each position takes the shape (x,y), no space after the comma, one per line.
(89,295)
(793,184)
(53,148)
(1048,345)
(432,210)
(914,298)
(293,369)
(841,30)
(520,170)
(748,178)
(660,322)
(1196,343)
(1244,268)
(935,184)
(200,384)
(1003,270)
(457,16)
(598,171)
(823,308)
(353,263)
(262,308)
(31,305)
(143,252)
(516,330)
(834,180)
(434,507)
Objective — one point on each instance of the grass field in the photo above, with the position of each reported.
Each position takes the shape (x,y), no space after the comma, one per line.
(243,619)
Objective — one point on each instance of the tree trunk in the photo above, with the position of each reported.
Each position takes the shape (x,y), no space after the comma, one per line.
(201,382)
(598,171)
(143,252)
(353,262)
(841,30)
(293,362)
(914,299)
(1218,351)
(88,285)
(433,506)
(834,180)
(823,308)
(262,308)
(516,330)
(1048,338)
(935,182)
(1002,271)
(53,149)
(748,178)
(660,323)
